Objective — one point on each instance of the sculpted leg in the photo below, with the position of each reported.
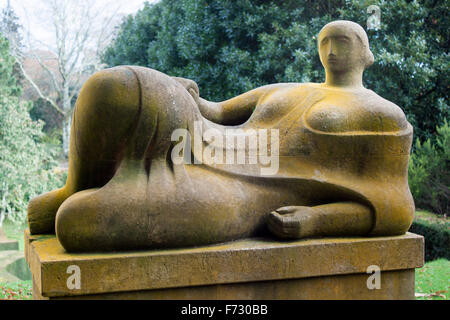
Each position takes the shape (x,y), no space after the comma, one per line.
(105,218)
(105,112)
(334,219)
(124,211)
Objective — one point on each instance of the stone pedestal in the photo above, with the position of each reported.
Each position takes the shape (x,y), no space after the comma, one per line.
(327,268)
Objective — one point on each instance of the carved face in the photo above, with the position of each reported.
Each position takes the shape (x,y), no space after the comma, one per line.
(339,49)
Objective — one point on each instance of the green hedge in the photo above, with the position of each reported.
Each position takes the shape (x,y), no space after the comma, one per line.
(429,172)
(437,237)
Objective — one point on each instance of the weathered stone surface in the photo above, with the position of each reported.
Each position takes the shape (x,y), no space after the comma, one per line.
(328,268)
(396,285)
(342,155)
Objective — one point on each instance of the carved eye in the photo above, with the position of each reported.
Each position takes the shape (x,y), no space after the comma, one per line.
(324,41)
(343,39)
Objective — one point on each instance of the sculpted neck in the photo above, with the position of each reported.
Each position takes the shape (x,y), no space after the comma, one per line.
(344,79)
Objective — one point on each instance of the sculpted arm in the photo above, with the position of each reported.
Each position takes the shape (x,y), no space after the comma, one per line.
(333,219)
(232,111)
(229,112)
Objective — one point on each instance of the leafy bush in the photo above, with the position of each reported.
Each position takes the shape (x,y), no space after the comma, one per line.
(429,172)
(437,237)
(26,163)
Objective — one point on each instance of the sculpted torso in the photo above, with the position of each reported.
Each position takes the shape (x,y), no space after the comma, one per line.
(124,191)
(337,111)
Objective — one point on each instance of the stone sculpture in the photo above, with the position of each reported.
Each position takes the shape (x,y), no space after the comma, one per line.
(342,158)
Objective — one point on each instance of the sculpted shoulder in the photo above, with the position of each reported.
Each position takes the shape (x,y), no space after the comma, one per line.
(274,101)
(355,110)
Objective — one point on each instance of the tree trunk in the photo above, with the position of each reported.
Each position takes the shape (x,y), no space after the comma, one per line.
(67,121)
(66,133)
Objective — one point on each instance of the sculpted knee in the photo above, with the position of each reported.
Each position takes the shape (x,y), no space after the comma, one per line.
(110,94)
(395,219)
(403,218)
(76,223)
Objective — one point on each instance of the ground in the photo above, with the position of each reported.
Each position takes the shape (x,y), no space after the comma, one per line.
(16,291)
(433,280)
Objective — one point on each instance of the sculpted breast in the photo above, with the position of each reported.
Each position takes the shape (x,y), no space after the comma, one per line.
(350,112)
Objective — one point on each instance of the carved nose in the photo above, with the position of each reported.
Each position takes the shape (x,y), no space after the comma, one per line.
(330,51)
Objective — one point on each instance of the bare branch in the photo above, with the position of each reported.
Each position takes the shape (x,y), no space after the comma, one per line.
(80,30)
(39,92)
(46,68)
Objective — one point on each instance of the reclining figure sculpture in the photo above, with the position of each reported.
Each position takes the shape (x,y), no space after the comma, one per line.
(342,152)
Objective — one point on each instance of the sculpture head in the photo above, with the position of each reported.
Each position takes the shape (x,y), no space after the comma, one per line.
(344,47)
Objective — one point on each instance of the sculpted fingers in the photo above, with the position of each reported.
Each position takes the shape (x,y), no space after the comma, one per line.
(283,226)
(194,93)
(285,210)
(190,85)
(292,222)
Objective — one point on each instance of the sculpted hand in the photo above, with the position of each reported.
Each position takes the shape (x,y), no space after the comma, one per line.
(210,110)
(293,222)
(191,86)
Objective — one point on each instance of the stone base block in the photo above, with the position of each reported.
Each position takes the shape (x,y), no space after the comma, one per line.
(327,268)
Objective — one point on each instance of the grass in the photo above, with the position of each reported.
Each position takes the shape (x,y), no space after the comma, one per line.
(16,291)
(433,280)
(429,216)
(21,290)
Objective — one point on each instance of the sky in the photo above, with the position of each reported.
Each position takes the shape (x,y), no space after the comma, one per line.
(31,18)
